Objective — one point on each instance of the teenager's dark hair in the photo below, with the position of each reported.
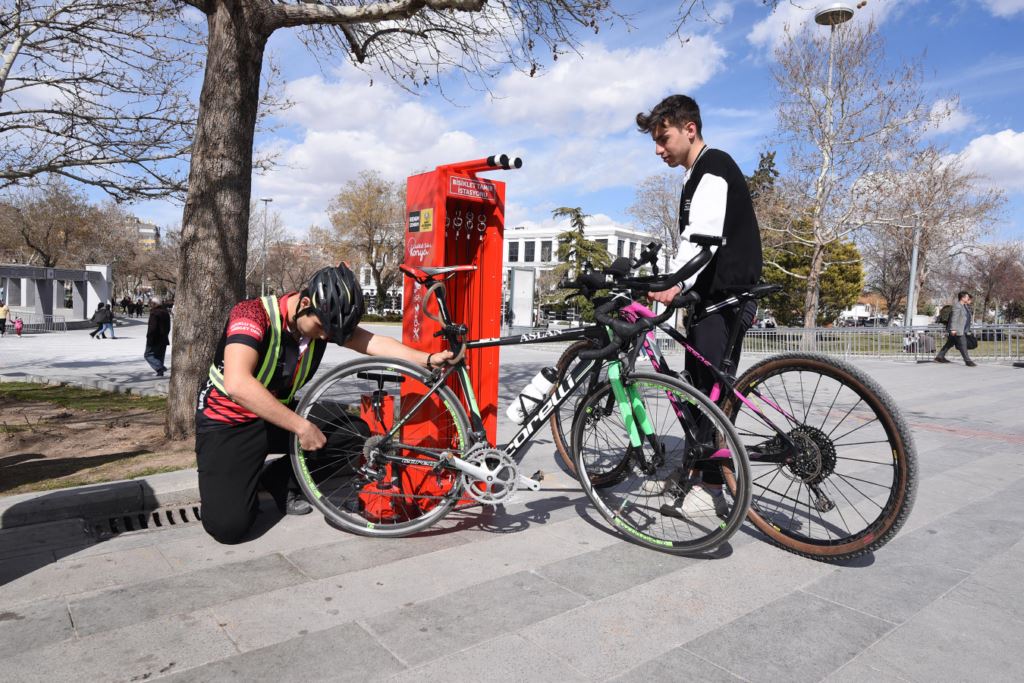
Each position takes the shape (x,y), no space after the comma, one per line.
(675,110)
(961,294)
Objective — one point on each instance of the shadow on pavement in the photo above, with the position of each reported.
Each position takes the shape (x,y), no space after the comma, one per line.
(76,519)
(51,468)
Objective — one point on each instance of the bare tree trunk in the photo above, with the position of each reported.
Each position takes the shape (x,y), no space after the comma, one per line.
(813,289)
(215,223)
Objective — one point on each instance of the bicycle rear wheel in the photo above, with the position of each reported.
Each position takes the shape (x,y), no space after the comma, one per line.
(355,479)
(562,415)
(850,483)
(654,476)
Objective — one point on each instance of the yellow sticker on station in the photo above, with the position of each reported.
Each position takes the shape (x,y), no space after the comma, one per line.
(426,220)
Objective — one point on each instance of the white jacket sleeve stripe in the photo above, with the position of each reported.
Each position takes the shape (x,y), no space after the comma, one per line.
(707,217)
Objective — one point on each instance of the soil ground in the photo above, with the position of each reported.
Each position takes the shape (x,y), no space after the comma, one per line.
(46,446)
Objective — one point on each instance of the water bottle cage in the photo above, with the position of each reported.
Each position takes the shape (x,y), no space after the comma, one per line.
(528,412)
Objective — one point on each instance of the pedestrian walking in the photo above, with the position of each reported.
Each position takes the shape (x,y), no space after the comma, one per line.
(18,326)
(4,312)
(97,319)
(958,329)
(158,336)
(107,318)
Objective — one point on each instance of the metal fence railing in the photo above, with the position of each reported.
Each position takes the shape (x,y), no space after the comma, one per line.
(35,323)
(995,342)
(1003,342)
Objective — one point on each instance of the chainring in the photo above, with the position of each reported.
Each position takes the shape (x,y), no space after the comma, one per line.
(502,476)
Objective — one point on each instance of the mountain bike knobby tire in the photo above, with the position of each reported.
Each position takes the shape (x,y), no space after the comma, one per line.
(868,469)
(347,480)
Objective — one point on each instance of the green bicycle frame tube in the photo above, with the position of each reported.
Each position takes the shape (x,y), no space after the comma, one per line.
(630,405)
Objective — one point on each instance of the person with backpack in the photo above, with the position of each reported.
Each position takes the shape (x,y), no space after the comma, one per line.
(958,326)
(270,348)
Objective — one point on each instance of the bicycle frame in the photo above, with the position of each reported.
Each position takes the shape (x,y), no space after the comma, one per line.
(723,382)
(537,417)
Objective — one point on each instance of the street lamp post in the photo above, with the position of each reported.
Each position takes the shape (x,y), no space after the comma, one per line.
(263,280)
(832,15)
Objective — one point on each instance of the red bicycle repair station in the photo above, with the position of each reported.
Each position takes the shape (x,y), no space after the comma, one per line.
(457,218)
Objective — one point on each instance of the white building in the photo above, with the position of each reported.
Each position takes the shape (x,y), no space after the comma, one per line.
(537,247)
(532,247)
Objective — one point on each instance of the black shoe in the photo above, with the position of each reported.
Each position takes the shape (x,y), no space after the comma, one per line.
(970,364)
(159,373)
(939,359)
(296,504)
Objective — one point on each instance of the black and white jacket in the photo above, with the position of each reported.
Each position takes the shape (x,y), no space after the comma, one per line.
(716,201)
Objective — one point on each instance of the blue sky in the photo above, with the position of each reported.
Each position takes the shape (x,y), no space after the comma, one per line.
(574,128)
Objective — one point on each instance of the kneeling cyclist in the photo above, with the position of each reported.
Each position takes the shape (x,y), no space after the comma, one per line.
(270,348)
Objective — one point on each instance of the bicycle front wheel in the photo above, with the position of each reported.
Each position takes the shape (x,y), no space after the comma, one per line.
(651,498)
(845,481)
(364,481)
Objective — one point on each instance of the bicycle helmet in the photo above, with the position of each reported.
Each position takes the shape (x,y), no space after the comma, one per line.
(336,300)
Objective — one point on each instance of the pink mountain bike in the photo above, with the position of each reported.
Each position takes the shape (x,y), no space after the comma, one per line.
(833,464)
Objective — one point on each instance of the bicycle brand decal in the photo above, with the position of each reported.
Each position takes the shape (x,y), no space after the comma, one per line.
(639,534)
(531,336)
(564,388)
(306,475)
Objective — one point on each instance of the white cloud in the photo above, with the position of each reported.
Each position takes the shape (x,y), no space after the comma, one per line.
(602,92)
(999,157)
(947,116)
(345,128)
(1003,8)
(768,33)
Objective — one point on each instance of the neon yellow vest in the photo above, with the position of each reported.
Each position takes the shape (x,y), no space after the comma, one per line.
(266,371)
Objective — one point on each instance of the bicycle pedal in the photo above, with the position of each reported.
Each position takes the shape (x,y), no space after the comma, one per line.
(530,483)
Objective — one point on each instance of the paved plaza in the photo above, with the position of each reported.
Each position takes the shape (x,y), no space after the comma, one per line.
(541,590)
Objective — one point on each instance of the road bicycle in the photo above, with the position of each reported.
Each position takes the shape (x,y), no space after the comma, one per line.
(407,445)
(833,462)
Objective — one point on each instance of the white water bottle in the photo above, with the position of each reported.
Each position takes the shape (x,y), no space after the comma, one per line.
(534,393)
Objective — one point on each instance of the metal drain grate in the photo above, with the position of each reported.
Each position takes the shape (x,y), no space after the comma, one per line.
(155,519)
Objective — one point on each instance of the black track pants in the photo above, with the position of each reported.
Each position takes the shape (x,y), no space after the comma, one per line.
(230,462)
(710,337)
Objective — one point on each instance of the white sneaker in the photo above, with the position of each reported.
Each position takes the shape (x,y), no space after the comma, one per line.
(698,504)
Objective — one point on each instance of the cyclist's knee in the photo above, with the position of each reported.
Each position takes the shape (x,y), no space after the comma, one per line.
(228,528)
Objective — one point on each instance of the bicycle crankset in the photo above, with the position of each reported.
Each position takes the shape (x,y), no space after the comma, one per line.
(495,479)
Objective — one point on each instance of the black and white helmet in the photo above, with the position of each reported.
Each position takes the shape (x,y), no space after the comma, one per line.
(336,300)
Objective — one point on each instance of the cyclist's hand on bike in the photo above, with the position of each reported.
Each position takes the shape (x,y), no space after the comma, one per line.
(438,358)
(310,437)
(666,296)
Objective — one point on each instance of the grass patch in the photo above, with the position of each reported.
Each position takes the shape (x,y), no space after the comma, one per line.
(79,398)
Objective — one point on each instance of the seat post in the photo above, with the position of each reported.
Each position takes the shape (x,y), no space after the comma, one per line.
(728,366)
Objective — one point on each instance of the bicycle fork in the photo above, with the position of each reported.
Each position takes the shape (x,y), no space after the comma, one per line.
(635,417)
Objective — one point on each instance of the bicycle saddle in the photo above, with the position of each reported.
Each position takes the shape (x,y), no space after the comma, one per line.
(429,272)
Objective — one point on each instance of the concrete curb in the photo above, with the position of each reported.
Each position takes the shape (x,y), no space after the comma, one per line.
(101,501)
(102,385)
